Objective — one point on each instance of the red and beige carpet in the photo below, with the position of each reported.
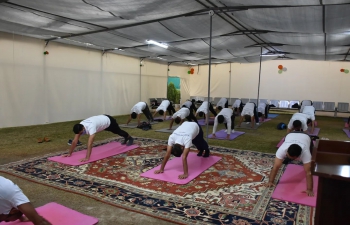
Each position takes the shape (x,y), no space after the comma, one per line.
(231,192)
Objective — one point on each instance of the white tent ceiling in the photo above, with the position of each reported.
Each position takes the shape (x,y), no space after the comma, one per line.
(299,29)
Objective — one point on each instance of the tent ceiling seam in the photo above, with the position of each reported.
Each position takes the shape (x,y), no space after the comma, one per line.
(24,7)
(99,8)
(170,30)
(234,20)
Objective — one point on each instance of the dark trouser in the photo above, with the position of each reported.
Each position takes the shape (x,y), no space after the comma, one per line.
(266,113)
(267,109)
(170,109)
(199,141)
(226,104)
(115,129)
(148,113)
(256,114)
(211,109)
(232,122)
(193,108)
(191,117)
(349,120)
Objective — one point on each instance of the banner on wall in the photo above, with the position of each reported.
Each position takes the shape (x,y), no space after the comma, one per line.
(174,92)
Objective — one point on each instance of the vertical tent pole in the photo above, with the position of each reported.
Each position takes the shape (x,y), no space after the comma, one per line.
(257,104)
(167,78)
(141,59)
(211,14)
(229,85)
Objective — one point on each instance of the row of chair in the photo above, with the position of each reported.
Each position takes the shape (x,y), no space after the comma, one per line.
(284,104)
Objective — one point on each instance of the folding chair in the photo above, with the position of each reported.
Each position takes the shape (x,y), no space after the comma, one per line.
(274,103)
(284,104)
(292,102)
(254,100)
(343,107)
(318,105)
(245,100)
(329,106)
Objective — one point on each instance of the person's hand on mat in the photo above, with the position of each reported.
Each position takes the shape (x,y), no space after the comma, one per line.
(158,171)
(183,176)
(309,193)
(67,155)
(269,184)
(84,160)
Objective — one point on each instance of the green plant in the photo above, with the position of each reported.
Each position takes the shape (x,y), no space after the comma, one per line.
(173,94)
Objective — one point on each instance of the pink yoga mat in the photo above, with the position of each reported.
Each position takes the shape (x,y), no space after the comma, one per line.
(174,168)
(346,125)
(347,132)
(315,133)
(58,214)
(292,184)
(280,143)
(99,152)
(202,122)
(222,135)
(266,120)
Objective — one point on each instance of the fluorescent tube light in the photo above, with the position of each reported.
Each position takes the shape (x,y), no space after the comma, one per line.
(157,43)
(272,55)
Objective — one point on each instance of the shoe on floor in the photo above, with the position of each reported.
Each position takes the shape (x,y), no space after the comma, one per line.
(130,141)
(70,142)
(206,153)
(46,139)
(125,140)
(40,140)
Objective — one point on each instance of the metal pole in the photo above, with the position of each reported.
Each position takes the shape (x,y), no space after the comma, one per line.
(229,85)
(141,59)
(167,78)
(211,14)
(259,77)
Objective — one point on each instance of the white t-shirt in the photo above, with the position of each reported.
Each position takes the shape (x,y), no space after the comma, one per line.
(301,139)
(163,106)
(203,108)
(182,113)
(262,107)
(222,102)
(309,110)
(303,119)
(138,107)
(237,103)
(184,134)
(227,113)
(248,109)
(11,196)
(188,104)
(95,124)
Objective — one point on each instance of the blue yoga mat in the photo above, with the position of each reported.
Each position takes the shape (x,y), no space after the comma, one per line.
(271,116)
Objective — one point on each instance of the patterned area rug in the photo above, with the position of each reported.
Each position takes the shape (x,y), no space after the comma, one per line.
(230,192)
